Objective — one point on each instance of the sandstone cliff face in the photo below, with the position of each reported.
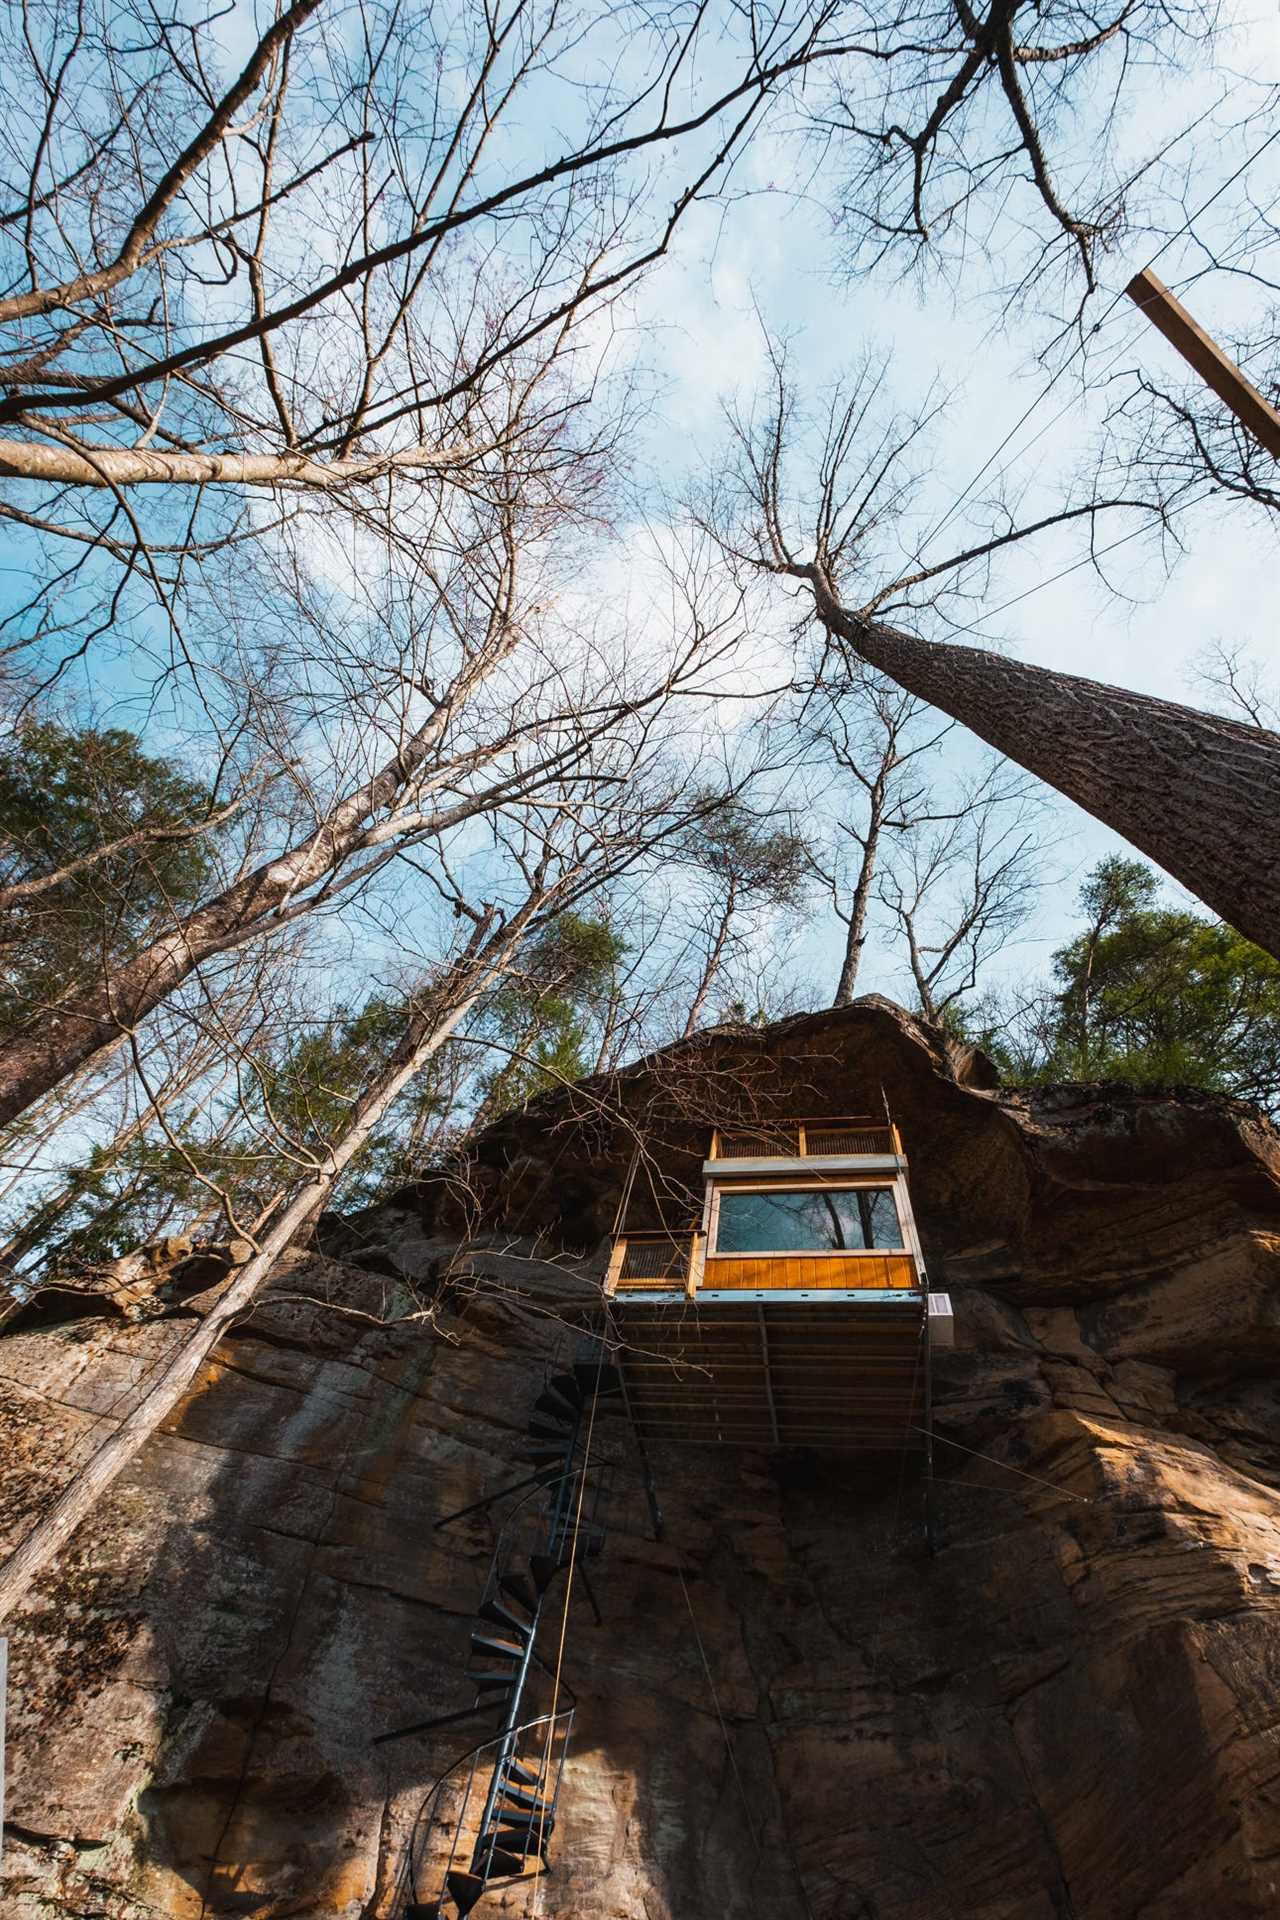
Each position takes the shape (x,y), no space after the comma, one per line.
(1070,1710)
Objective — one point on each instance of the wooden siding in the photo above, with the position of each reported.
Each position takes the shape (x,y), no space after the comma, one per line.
(800,1272)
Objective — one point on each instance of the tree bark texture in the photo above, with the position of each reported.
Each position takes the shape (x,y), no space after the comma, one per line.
(1196,792)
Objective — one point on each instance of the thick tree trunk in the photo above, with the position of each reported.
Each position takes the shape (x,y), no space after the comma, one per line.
(1197,793)
(427,1031)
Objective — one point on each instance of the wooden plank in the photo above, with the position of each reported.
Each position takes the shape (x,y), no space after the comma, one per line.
(872,1272)
(1203,354)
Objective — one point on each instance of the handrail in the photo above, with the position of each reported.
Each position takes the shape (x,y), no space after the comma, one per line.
(496,1560)
(676,1267)
(472,1754)
(672,1235)
(556,1493)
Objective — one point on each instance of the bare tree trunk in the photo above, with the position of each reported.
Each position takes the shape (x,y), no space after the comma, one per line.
(1086,1000)
(714,960)
(1197,792)
(38,1226)
(609,1027)
(117,467)
(856,937)
(41,1122)
(427,1031)
(68,1034)
(516,1050)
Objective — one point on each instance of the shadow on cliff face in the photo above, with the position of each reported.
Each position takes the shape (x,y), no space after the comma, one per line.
(1000,1721)
(301,1603)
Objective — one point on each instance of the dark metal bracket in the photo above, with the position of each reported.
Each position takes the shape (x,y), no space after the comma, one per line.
(427,1726)
(489,1500)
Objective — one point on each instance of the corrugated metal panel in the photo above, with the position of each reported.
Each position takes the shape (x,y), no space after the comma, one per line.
(847,1376)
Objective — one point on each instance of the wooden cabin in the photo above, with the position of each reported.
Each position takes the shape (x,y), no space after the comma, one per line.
(796,1309)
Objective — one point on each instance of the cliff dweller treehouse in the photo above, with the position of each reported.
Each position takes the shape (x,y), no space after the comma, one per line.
(795,1311)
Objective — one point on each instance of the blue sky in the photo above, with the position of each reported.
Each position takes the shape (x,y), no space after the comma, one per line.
(770,264)
(766,261)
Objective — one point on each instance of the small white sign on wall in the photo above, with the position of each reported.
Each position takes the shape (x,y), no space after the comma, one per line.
(942,1325)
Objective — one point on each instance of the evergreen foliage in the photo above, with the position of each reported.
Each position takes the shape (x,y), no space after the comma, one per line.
(295,1104)
(287,1112)
(67,793)
(759,861)
(1151,994)
(541,1017)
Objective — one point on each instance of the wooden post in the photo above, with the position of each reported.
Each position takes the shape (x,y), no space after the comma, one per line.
(691,1276)
(614,1274)
(1207,359)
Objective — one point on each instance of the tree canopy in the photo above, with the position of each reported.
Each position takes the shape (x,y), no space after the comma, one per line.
(99,840)
(539,1018)
(1153,994)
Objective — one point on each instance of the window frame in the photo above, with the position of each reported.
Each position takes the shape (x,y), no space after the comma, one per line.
(800,1184)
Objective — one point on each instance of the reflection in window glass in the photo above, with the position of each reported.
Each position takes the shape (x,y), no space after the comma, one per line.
(816,1220)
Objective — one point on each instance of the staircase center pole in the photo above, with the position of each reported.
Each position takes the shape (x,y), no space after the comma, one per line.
(509,1731)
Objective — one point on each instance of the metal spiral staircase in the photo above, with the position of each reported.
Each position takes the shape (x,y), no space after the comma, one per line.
(489,1818)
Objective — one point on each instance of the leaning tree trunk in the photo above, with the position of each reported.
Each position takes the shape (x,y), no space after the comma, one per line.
(43,1052)
(856,938)
(715,959)
(118,467)
(427,1030)
(1198,793)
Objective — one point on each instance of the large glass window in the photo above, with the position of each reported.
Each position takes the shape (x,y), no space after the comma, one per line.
(807,1220)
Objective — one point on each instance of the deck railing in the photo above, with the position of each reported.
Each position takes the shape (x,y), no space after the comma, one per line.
(805,1140)
(661,1261)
